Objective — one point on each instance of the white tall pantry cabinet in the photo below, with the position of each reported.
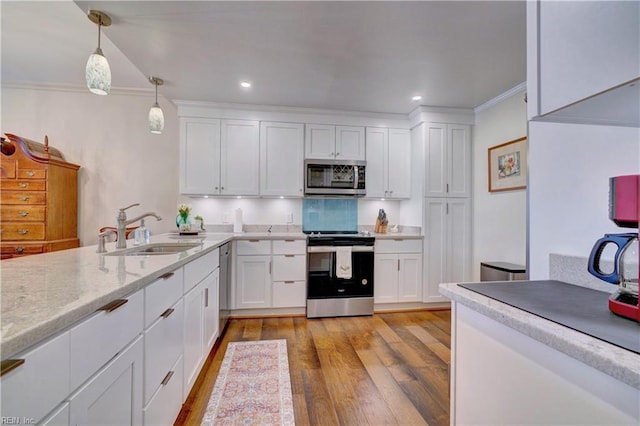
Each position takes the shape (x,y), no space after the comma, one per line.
(447,206)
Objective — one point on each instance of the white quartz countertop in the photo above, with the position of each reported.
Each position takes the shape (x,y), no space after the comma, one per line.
(617,362)
(43,294)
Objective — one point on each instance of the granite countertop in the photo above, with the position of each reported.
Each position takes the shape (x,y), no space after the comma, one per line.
(622,364)
(43,294)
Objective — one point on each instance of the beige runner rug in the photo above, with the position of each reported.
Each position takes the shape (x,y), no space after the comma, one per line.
(253,386)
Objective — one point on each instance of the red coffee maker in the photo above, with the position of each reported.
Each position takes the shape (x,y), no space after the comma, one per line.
(624,210)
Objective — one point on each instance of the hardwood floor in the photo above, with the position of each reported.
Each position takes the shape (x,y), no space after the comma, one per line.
(390,368)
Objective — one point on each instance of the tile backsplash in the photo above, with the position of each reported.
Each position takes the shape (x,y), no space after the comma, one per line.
(329,214)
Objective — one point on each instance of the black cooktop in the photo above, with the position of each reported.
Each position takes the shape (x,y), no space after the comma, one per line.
(580,308)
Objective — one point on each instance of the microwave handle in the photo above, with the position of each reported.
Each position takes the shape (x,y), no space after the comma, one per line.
(355,179)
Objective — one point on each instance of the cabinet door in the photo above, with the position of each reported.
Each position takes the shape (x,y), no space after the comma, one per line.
(253,286)
(350,143)
(458,161)
(199,156)
(193,350)
(320,141)
(458,240)
(435,169)
(386,278)
(281,159)
(376,171)
(114,395)
(239,157)
(435,248)
(410,279)
(399,164)
(585,48)
(211,309)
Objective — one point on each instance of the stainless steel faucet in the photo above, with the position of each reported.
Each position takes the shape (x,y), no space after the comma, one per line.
(122,221)
(101,240)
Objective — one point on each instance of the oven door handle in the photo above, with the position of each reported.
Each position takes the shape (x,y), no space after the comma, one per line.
(332,249)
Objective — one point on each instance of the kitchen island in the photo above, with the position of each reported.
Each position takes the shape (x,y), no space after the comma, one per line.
(510,366)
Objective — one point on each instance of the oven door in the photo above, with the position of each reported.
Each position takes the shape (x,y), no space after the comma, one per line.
(322,282)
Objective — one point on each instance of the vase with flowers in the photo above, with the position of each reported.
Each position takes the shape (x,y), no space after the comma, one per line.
(183,221)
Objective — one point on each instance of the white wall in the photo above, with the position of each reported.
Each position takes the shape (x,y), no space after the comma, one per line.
(121,161)
(570,166)
(499,218)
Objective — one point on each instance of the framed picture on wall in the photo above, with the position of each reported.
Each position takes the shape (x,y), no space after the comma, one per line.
(508,166)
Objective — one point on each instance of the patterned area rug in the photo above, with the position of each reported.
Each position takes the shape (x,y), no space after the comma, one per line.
(253,386)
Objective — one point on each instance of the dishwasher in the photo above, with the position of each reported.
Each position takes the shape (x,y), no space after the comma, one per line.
(225,285)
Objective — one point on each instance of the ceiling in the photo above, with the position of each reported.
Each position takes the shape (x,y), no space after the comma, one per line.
(353,56)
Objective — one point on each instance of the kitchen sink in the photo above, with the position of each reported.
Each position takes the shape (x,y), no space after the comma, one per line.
(154,249)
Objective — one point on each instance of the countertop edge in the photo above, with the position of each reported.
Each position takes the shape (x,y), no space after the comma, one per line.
(28,338)
(612,360)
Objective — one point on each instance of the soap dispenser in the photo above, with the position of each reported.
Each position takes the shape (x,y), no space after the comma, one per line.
(145,235)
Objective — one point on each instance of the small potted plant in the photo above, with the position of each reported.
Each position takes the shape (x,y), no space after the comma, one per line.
(183,221)
(199,223)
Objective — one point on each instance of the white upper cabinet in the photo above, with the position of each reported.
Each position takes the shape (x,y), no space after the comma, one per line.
(219,157)
(239,157)
(388,163)
(324,141)
(447,160)
(281,159)
(576,50)
(199,156)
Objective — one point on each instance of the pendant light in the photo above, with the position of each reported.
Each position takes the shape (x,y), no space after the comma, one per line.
(156,117)
(97,72)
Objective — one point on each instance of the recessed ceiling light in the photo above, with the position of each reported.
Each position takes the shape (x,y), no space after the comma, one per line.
(416,98)
(245,84)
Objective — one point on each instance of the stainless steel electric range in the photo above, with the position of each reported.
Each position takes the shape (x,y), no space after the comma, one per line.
(340,274)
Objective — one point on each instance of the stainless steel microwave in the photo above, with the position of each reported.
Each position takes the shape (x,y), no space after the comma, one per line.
(335,177)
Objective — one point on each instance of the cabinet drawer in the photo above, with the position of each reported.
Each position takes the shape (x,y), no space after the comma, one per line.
(253,247)
(99,338)
(289,247)
(23,197)
(162,346)
(167,401)
(288,294)
(7,169)
(161,294)
(195,271)
(399,246)
(30,171)
(24,185)
(22,214)
(41,383)
(18,249)
(22,231)
(291,267)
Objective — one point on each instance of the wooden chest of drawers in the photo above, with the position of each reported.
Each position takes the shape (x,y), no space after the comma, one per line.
(38,198)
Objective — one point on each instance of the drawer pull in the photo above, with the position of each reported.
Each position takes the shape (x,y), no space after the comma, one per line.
(206,297)
(19,250)
(112,306)
(24,198)
(289,255)
(289,241)
(167,378)
(23,185)
(10,364)
(166,313)
(167,275)
(23,213)
(289,282)
(23,231)
(31,173)
(254,241)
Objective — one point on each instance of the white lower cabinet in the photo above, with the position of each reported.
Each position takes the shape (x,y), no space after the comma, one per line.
(193,335)
(166,403)
(113,396)
(398,271)
(47,365)
(211,309)
(447,244)
(253,286)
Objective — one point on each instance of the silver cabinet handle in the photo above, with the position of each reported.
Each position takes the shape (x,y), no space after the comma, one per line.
(23,213)
(23,185)
(24,198)
(166,313)
(112,306)
(166,378)
(19,250)
(23,231)
(167,275)
(206,297)
(31,173)
(10,364)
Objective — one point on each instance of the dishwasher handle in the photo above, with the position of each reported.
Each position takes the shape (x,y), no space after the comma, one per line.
(332,249)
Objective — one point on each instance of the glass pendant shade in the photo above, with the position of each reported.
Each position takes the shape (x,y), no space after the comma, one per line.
(98,73)
(156,119)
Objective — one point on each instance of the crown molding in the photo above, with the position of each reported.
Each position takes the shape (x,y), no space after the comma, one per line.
(503,96)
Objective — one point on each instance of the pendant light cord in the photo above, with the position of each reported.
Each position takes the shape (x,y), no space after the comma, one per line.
(99,25)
